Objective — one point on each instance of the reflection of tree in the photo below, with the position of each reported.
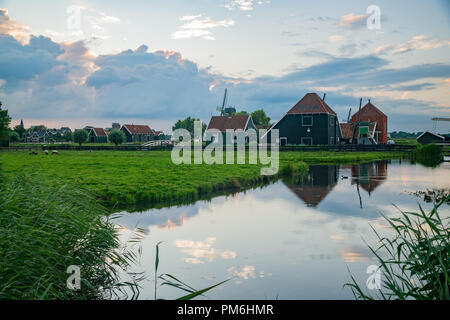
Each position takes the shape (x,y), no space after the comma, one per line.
(369,175)
(313,188)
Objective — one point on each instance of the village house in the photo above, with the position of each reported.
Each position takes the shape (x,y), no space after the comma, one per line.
(309,122)
(430,137)
(372,123)
(230,122)
(137,133)
(97,135)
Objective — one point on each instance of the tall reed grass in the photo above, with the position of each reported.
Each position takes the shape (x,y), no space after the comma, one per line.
(415,263)
(47,227)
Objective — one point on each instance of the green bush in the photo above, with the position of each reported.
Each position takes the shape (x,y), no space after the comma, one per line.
(429,155)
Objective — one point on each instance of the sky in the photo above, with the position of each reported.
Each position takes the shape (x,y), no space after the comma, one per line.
(77,63)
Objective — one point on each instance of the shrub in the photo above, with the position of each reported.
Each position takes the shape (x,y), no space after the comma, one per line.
(116,136)
(429,155)
(80,136)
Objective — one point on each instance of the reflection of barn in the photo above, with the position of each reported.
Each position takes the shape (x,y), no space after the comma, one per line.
(369,175)
(313,188)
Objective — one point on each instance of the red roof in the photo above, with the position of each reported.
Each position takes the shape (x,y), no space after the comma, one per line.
(99,132)
(137,129)
(368,111)
(222,123)
(311,103)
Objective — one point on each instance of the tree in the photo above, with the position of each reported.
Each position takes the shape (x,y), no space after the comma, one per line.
(260,118)
(20,130)
(80,136)
(240,113)
(188,124)
(5,120)
(14,136)
(68,136)
(116,136)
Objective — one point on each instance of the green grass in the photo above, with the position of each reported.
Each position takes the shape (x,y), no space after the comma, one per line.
(406,141)
(45,227)
(429,155)
(415,262)
(120,179)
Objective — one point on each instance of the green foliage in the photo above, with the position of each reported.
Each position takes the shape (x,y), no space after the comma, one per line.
(68,136)
(403,134)
(429,155)
(80,136)
(47,226)
(188,124)
(415,263)
(20,130)
(260,118)
(116,136)
(123,179)
(240,113)
(5,120)
(14,136)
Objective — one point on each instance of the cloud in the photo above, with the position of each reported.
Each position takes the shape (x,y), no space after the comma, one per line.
(352,21)
(242,5)
(13,28)
(335,38)
(200,251)
(199,27)
(416,43)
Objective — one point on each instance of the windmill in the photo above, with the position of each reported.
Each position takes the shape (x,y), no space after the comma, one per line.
(349,113)
(223,109)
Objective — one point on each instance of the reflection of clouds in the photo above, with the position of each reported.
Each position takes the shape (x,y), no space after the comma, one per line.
(354,254)
(247,272)
(199,251)
(336,237)
(166,218)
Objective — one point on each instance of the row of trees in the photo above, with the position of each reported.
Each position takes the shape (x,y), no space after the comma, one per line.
(5,120)
(114,136)
(259,118)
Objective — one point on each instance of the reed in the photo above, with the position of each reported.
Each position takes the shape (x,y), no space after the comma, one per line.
(415,263)
(47,227)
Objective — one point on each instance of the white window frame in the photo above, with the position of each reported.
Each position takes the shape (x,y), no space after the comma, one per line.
(306,143)
(283,138)
(307,125)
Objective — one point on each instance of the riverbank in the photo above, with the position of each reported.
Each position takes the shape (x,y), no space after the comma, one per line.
(121,179)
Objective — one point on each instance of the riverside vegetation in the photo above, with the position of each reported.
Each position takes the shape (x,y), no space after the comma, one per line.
(53,215)
(122,179)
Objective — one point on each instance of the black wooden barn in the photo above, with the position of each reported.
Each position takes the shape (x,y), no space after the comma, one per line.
(310,122)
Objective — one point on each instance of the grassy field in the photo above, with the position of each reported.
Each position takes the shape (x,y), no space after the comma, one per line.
(407,141)
(123,179)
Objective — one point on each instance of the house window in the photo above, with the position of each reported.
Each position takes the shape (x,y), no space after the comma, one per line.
(307,141)
(307,121)
(283,141)
(331,140)
(332,121)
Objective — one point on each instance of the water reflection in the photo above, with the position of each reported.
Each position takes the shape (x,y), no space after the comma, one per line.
(317,184)
(290,239)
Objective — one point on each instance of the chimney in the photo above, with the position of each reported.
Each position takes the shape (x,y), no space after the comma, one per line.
(324,95)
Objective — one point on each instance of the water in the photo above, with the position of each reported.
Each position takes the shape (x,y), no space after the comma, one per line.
(285,241)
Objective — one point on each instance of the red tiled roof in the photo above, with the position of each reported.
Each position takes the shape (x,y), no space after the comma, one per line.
(368,111)
(222,123)
(311,103)
(138,129)
(99,132)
